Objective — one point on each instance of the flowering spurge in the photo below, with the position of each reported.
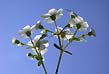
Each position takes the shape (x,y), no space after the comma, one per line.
(52,15)
(16,42)
(40,45)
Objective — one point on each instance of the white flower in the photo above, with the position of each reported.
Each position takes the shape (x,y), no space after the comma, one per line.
(79,21)
(40,45)
(66,33)
(37,26)
(25,32)
(52,15)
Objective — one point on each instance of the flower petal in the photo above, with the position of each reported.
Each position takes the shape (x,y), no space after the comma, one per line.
(52,11)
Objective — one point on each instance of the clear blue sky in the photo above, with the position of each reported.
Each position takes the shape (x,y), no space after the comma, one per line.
(88,58)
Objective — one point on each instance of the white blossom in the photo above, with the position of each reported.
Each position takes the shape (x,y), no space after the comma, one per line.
(40,45)
(52,15)
(37,26)
(67,32)
(23,32)
(79,20)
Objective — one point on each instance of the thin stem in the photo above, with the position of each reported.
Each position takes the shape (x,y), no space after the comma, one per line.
(59,61)
(39,54)
(58,32)
(61,50)
(44,67)
(33,45)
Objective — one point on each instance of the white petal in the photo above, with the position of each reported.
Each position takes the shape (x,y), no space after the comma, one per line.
(59,13)
(78,19)
(71,22)
(22,34)
(42,47)
(33,27)
(37,37)
(49,20)
(13,40)
(43,51)
(27,28)
(69,36)
(30,44)
(46,44)
(52,11)
(45,15)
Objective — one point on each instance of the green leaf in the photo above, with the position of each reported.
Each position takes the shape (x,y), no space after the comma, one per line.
(56,46)
(30,55)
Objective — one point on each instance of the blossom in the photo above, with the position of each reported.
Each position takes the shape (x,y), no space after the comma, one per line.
(79,23)
(37,26)
(25,32)
(52,15)
(40,45)
(16,42)
(67,34)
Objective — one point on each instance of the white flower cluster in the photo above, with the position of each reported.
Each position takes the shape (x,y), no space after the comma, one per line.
(64,35)
(26,33)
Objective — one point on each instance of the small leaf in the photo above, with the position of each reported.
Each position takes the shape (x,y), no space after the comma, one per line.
(55,45)
(30,55)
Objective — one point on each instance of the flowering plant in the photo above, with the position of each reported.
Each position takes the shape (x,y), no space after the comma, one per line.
(39,44)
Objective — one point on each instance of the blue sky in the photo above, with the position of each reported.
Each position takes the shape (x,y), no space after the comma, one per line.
(88,58)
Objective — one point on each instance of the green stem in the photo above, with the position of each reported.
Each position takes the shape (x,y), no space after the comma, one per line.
(39,54)
(61,50)
(44,67)
(58,32)
(59,61)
